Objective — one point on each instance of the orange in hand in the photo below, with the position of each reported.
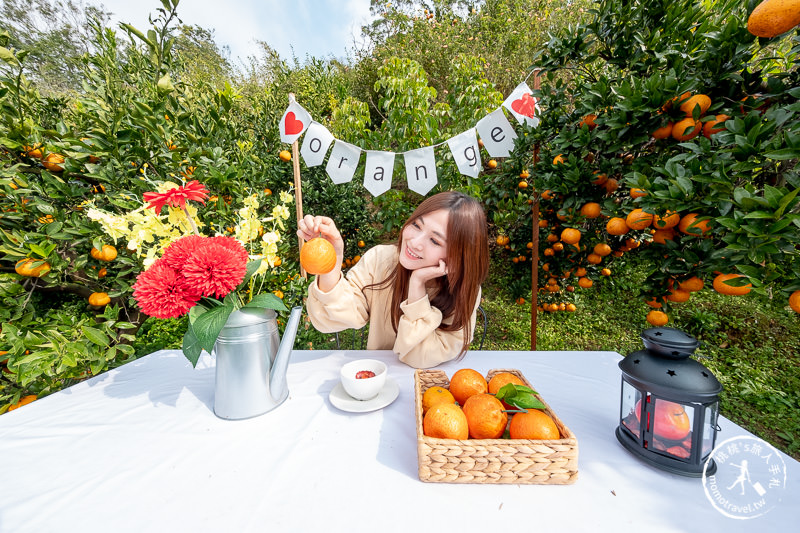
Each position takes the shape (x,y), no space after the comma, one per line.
(445,421)
(317,256)
(485,416)
(534,424)
(465,383)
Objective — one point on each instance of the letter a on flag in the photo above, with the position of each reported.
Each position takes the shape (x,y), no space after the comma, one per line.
(294,122)
(421,170)
(378,172)
(523,105)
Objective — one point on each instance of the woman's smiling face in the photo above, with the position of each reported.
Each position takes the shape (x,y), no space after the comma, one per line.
(424,241)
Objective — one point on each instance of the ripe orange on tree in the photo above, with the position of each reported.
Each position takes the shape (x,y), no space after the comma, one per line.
(602,249)
(638,193)
(34,151)
(690,226)
(106,253)
(657,318)
(535,424)
(99,299)
(617,226)
(53,162)
(714,126)
(585,283)
(285,155)
(701,100)
(639,219)
(662,235)
(524,174)
(445,421)
(32,268)
(771,18)
(722,287)
(611,185)
(588,120)
(361,244)
(492,163)
(692,284)
(605,272)
(486,416)
(669,220)
(686,129)
(794,301)
(594,259)
(571,235)
(663,132)
(318,256)
(600,178)
(25,400)
(678,295)
(465,383)
(435,396)
(590,210)
(522,184)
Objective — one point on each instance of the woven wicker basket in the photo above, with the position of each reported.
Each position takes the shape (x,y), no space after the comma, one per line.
(543,462)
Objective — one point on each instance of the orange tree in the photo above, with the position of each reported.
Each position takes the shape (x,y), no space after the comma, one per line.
(677,138)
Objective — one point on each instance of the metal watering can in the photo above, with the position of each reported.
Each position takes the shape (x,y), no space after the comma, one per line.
(252,361)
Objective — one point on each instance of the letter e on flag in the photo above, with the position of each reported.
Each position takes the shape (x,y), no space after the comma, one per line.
(497,133)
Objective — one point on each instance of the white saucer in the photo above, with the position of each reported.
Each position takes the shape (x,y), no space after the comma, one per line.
(341,400)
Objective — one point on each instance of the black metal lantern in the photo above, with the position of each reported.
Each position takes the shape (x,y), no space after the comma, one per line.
(669,404)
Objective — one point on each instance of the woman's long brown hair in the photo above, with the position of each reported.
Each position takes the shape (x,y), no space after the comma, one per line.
(467,262)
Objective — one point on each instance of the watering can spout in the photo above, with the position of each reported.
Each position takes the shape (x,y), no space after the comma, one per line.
(277,379)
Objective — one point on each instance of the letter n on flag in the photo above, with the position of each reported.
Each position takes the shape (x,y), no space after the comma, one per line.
(421,170)
(294,122)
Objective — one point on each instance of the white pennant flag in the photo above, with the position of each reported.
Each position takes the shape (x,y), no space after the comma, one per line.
(378,172)
(464,147)
(315,144)
(294,122)
(421,170)
(523,105)
(496,133)
(343,162)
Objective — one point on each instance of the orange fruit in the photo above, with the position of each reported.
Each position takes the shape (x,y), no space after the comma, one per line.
(548,195)
(638,193)
(571,236)
(435,396)
(723,288)
(590,210)
(657,318)
(662,235)
(467,382)
(770,19)
(558,247)
(580,272)
(692,284)
(600,179)
(535,424)
(669,220)
(715,126)
(686,129)
(503,378)
(594,259)
(25,400)
(690,226)
(106,253)
(361,244)
(486,416)
(53,162)
(585,283)
(522,184)
(663,132)
(638,219)
(492,163)
(572,307)
(559,159)
(602,249)
(588,120)
(611,185)
(697,100)
(678,295)
(653,302)
(605,272)
(445,421)
(616,226)
(794,301)
(99,299)
(29,268)
(285,155)
(102,272)
(317,256)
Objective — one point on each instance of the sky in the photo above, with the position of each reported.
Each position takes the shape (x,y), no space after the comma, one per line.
(319,28)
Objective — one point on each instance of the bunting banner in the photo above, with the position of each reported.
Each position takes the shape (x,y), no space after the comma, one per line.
(494,130)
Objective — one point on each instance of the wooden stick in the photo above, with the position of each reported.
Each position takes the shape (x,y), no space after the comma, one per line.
(298,191)
(535,240)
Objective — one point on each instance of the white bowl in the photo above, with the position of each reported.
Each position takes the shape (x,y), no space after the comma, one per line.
(365,388)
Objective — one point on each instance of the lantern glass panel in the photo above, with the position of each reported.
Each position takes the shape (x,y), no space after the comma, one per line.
(709,428)
(672,428)
(631,402)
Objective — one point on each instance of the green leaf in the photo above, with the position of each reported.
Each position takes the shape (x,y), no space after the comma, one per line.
(251,268)
(191,347)
(783,154)
(165,84)
(785,201)
(8,56)
(267,301)
(208,325)
(95,335)
(519,396)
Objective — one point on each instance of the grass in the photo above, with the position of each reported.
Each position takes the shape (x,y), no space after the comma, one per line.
(750,344)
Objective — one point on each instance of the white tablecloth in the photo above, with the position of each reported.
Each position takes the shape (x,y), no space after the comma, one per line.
(140,449)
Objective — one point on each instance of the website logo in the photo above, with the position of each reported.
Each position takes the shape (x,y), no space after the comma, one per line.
(750,479)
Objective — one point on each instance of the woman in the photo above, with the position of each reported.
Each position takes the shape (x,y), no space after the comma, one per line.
(420,296)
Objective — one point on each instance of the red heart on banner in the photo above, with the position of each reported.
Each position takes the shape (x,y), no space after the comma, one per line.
(291,125)
(525,105)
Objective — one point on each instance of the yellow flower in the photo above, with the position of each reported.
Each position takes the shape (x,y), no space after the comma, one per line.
(285,197)
(280,211)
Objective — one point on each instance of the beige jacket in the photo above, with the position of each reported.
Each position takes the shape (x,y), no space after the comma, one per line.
(418,342)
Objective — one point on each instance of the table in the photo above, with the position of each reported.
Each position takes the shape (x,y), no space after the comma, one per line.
(139,449)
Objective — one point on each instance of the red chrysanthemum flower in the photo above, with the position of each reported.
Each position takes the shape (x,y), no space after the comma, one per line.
(179,251)
(194,190)
(162,292)
(231,244)
(214,270)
